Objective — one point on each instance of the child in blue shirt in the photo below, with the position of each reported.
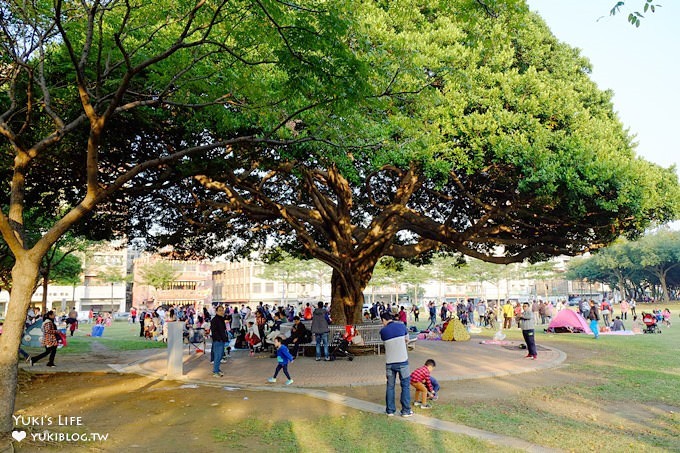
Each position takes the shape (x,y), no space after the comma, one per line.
(283,357)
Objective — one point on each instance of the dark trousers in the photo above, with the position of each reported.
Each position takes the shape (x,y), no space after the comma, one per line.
(52,351)
(280,367)
(295,346)
(530,340)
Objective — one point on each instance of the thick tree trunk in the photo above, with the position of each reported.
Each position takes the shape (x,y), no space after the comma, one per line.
(622,288)
(347,298)
(24,274)
(664,286)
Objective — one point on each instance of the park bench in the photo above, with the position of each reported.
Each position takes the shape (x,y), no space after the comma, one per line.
(335,331)
(369,331)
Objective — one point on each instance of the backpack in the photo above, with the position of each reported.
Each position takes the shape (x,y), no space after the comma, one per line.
(306,336)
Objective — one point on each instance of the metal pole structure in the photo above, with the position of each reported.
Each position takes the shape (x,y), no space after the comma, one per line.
(175,350)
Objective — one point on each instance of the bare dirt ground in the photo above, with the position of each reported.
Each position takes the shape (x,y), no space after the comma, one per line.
(136,411)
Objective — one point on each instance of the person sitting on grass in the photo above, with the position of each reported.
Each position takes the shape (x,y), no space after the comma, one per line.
(421,381)
(283,358)
(617,325)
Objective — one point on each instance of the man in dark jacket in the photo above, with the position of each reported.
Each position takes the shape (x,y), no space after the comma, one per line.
(297,336)
(320,329)
(218,331)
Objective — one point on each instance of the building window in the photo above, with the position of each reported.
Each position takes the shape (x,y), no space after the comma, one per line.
(269,287)
(257,287)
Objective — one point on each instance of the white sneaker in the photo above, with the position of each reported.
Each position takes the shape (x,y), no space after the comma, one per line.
(271,379)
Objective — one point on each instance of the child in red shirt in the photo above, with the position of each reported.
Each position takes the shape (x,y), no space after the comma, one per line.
(420,380)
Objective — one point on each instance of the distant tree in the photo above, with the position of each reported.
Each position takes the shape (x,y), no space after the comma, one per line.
(159,274)
(387,273)
(481,271)
(658,255)
(113,275)
(316,273)
(414,276)
(284,268)
(539,272)
(611,265)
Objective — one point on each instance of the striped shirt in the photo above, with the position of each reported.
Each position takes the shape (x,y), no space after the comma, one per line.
(394,334)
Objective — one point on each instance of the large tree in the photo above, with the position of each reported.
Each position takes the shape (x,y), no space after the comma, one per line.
(97,97)
(489,140)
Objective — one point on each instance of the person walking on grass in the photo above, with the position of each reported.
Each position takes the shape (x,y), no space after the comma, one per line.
(433,316)
(283,358)
(49,340)
(594,317)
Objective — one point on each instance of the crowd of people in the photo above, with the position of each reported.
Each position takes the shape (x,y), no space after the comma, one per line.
(260,329)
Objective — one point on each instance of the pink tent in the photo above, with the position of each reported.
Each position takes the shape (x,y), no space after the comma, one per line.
(568,321)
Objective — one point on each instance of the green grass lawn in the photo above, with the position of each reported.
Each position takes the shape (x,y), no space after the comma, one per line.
(357,433)
(624,396)
(120,336)
(617,393)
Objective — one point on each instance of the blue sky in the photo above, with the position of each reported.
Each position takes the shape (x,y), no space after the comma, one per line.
(641,65)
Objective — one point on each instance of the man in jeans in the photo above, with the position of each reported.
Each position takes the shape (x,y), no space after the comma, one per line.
(320,329)
(433,315)
(395,336)
(218,331)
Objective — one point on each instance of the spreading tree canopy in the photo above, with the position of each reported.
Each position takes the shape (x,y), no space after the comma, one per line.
(343,130)
(485,136)
(98,97)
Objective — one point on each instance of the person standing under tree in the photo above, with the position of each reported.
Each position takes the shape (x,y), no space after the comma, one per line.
(416,312)
(508,314)
(49,340)
(320,329)
(395,336)
(526,323)
(218,331)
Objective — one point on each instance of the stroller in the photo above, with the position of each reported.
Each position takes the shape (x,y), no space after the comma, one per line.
(650,322)
(341,343)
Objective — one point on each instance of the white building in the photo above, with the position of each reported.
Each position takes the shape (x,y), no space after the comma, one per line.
(95,292)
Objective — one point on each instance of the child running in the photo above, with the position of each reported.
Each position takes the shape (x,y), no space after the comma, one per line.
(420,380)
(283,357)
